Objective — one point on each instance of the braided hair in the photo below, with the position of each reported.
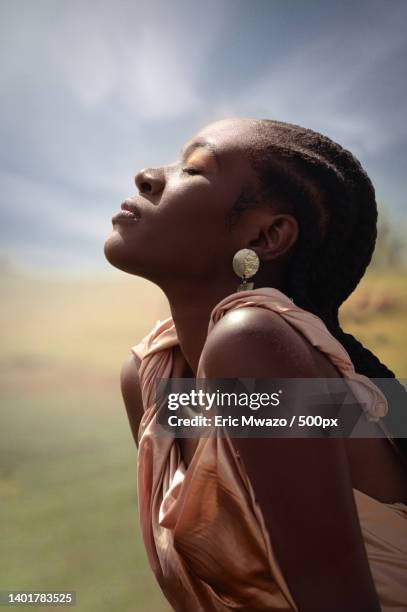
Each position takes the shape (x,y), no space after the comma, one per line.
(335,206)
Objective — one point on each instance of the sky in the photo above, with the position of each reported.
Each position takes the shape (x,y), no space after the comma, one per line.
(92,91)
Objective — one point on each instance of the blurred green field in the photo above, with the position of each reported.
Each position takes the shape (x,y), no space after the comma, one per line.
(68,462)
(376,314)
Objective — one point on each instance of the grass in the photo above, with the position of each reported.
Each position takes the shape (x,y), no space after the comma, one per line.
(376,313)
(69,505)
(68,462)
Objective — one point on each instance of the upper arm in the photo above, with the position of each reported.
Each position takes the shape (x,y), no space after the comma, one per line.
(131,392)
(302,486)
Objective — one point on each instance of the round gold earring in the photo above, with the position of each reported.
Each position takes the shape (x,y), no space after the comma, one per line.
(245,264)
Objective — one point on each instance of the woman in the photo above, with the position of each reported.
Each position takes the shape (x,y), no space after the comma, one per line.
(260,524)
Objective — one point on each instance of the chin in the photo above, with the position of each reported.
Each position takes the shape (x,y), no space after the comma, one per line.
(119,255)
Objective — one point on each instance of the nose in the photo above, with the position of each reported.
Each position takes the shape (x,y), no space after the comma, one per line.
(149,181)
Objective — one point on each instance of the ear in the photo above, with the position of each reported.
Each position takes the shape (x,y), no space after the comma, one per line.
(276,235)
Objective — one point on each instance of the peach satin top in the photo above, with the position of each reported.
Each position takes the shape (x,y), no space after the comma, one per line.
(204,533)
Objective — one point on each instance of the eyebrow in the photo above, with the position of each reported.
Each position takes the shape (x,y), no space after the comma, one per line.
(201,143)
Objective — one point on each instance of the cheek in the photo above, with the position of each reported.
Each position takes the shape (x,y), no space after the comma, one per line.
(192,244)
(188,210)
(190,238)
(196,202)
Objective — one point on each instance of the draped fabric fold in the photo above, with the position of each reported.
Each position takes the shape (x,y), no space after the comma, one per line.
(204,533)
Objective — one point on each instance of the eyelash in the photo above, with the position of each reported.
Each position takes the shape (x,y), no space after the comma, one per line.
(191,171)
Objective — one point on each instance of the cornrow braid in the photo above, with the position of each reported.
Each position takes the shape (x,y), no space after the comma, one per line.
(322,180)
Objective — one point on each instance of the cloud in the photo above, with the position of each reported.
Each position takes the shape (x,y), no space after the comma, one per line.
(138,57)
(334,83)
(46,211)
(143,73)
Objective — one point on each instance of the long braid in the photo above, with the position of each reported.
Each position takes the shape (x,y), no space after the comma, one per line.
(319,177)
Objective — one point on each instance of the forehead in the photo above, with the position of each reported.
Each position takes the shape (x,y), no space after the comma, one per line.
(229,140)
(228,135)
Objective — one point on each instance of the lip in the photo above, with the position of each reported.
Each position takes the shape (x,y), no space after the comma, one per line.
(130,206)
(129,213)
(125,216)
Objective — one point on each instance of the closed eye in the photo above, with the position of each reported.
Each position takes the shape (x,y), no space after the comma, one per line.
(191,171)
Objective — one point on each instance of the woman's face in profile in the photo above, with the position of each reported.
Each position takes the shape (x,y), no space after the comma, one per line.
(182,208)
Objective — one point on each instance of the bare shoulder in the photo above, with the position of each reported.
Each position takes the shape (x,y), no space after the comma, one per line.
(256,342)
(131,392)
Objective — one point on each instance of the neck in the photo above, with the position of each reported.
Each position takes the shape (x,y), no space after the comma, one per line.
(191,306)
(191,316)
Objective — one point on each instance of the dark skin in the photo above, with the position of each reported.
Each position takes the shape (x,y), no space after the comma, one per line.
(183,244)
